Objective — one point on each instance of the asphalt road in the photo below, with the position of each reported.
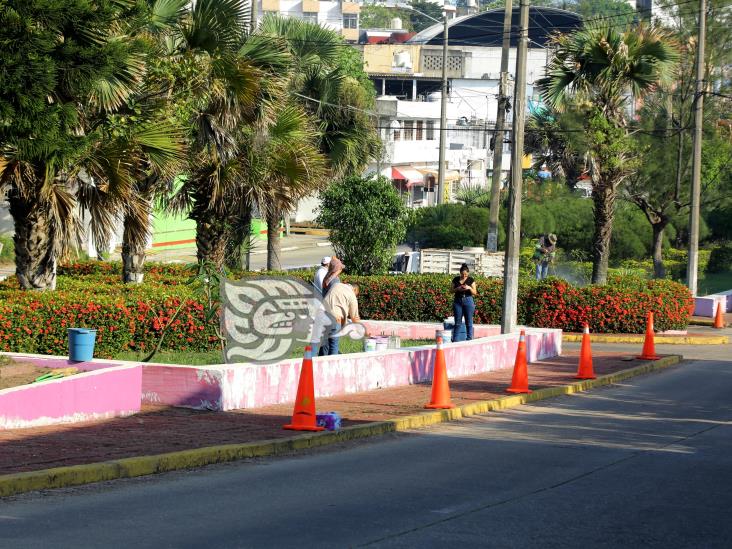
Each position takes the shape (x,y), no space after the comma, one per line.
(644,464)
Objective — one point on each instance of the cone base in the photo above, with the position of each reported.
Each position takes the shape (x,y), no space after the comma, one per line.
(439,406)
(303,428)
(585,377)
(643,357)
(526,391)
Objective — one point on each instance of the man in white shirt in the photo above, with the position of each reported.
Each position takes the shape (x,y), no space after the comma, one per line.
(320,273)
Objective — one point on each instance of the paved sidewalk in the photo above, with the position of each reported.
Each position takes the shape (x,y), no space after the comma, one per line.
(158,430)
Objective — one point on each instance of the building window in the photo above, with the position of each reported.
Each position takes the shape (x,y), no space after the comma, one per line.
(408,130)
(397,135)
(310,16)
(420,133)
(430,130)
(350,20)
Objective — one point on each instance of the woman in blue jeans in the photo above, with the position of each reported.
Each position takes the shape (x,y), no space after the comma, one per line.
(463,305)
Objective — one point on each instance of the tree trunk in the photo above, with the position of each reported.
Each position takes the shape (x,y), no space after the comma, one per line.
(210,238)
(239,240)
(604,201)
(35,254)
(273,240)
(134,241)
(659,271)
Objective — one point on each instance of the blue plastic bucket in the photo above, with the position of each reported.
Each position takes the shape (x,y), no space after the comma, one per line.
(81,344)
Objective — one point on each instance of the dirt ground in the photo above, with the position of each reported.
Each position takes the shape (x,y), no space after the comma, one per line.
(14,374)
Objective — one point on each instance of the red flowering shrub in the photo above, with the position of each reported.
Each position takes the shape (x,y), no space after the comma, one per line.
(132,316)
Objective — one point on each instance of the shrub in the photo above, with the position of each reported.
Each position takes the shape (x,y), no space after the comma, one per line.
(720,259)
(132,317)
(449,226)
(367,219)
(7,253)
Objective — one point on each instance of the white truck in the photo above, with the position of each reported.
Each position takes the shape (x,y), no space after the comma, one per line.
(433,260)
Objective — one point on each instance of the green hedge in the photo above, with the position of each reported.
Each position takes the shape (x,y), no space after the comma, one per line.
(131,317)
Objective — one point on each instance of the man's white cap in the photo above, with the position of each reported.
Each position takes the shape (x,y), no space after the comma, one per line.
(325,260)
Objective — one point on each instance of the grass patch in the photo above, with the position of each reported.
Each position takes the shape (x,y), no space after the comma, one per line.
(712,283)
(189,358)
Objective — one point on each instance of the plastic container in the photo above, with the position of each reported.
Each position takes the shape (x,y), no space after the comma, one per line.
(382,343)
(369,345)
(395,342)
(81,344)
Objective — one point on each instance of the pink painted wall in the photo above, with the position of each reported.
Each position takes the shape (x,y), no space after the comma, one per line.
(111,392)
(228,387)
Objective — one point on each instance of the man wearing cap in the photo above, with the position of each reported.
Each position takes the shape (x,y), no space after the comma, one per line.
(320,273)
(544,253)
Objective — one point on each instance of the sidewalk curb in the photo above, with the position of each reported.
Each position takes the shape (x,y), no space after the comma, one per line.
(637,338)
(75,475)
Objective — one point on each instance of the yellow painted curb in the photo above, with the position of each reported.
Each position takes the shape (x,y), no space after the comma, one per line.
(75,475)
(665,339)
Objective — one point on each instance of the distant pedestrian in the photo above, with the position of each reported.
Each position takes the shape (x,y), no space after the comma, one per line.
(544,253)
(463,304)
(332,277)
(341,304)
(320,273)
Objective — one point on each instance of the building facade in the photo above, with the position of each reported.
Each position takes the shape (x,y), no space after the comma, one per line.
(337,15)
(407,77)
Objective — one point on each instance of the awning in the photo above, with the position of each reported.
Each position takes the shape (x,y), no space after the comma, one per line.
(450,175)
(410,175)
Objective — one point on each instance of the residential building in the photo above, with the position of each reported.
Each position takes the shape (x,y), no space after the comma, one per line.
(407,78)
(338,15)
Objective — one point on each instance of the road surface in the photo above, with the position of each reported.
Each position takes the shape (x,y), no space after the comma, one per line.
(647,463)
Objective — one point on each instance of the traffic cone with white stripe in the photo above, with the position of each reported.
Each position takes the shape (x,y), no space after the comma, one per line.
(303,415)
(440,386)
(520,379)
(585,370)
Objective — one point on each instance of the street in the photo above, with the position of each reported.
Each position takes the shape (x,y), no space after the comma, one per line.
(645,463)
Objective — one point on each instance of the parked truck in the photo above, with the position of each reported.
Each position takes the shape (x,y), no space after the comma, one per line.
(433,260)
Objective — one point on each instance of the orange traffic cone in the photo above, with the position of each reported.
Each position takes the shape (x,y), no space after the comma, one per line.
(649,346)
(585,370)
(303,415)
(520,379)
(719,318)
(440,386)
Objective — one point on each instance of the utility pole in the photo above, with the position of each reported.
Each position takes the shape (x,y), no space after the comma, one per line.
(513,236)
(492,241)
(443,119)
(693,265)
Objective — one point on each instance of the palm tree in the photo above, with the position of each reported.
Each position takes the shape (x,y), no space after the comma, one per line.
(337,97)
(236,77)
(599,71)
(55,105)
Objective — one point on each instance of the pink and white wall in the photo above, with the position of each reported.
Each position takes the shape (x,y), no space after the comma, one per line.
(234,386)
(103,390)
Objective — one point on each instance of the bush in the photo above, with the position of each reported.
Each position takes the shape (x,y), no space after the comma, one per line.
(7,254)
(367,219)
(449,226)
(132,317)
(720,259)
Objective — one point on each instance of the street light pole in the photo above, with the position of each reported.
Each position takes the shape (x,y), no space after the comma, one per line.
(443,119)
(492,240)
(513,237)
(693,260)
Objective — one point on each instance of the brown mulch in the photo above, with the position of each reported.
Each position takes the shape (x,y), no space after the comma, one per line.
(161,429)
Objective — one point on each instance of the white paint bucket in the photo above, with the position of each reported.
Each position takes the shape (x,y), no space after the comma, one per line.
(382,344)
(369,345)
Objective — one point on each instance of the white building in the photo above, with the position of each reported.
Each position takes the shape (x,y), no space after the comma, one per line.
(407,78)
(337,15)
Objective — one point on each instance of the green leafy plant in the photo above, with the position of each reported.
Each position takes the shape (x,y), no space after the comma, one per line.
(366,219)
